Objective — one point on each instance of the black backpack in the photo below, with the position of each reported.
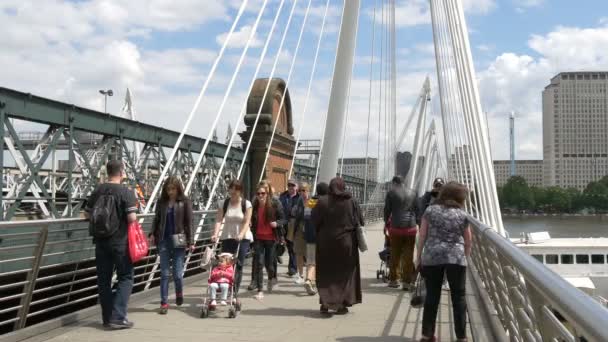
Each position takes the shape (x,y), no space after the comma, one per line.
(227,203)
(104,220)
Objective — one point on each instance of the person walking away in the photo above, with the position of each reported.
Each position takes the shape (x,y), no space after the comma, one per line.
(110,208)
(267,217)
(443,247)
(289,199)
(235,211)
(336,217)
(430,197)
(172,235)
(299,242)
(222,276)
(400,217)
(309,232)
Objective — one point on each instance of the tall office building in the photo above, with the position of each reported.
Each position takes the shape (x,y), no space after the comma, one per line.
(355,167)
(575,122)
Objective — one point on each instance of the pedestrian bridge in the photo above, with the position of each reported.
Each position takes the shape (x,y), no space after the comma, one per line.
(286,314)
(510,296)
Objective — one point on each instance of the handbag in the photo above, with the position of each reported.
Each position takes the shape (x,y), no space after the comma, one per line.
(419,295)
(179,240)
(138,243)
(359,229)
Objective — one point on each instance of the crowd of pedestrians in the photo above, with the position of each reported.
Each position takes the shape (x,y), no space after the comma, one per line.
(429,237)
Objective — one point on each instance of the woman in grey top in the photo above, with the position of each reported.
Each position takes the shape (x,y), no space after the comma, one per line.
(443,246)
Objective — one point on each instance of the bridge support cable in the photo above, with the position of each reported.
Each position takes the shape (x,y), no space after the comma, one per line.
(369,104)
(482,190)
(244,108)
(276,123)
(337,100)
(468,162)
(449,107)
(312,74)
(196,105)
(226,95)
(393,88)
(480,117)
(211,130)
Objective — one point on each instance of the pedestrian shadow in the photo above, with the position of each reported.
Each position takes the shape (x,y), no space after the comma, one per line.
(374,339)
(280,312)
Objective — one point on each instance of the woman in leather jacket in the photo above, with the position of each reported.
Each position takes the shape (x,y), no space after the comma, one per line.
(172,234)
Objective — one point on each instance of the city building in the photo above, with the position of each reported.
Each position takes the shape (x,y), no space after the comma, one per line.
(356,167)
(530,170)
(575,122)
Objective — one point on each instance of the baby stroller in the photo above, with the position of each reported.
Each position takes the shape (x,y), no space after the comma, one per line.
(385,257)
(234,305)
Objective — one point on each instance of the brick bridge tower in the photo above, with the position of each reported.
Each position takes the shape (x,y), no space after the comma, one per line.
(282,149)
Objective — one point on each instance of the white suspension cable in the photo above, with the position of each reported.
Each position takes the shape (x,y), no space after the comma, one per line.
(276,123)
(312,73)
(369,105)
(226,95)
(274,66)
(194,109)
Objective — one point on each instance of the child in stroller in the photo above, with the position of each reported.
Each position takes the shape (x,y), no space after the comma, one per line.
(385,255)
(221,278)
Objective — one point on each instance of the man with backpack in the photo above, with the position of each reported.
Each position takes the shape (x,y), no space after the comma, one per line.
(110,208)
(401,209)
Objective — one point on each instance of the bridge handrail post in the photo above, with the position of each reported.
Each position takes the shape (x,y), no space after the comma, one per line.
(542,295)
(24,307)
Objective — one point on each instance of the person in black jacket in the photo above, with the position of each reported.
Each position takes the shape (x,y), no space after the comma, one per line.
(429,197)
(400,208)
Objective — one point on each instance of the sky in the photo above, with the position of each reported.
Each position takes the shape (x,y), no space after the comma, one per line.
(163,50)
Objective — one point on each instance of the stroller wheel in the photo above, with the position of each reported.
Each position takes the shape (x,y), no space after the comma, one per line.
(204,312)
(232,313)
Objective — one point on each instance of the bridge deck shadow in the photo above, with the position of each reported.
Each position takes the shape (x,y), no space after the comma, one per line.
(285,314)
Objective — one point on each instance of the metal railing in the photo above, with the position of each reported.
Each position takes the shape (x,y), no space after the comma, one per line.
(532,302)
(47,267)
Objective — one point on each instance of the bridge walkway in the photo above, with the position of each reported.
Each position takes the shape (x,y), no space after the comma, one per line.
(287,314)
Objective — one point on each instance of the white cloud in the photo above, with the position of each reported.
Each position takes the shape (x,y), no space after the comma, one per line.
(528,3)
(417,12)
(515,82)
(239,38)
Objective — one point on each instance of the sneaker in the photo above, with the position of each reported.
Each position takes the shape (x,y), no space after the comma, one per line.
(394,284)
(106,326)
(290,274)
(280,260)
(223,303)
(271,284)
(299,280)
(252,286)
(164,308)
(124,324)
(342,311)
(259,296)
(179,300)
(310,288)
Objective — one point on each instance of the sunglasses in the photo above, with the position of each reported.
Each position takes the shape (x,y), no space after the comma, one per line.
(291,185)
(261,193)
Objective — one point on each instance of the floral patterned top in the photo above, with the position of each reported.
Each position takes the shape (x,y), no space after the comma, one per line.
(444,242)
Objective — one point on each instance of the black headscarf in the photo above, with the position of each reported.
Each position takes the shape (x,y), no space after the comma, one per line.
(337,189)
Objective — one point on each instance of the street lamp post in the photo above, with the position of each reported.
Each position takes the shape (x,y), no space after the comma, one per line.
(105,94)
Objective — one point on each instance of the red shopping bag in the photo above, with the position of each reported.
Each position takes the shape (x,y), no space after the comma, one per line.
(138,243)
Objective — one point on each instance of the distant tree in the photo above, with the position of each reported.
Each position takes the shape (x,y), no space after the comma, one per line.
(516,194)
(596,195)
(540,197)
(558,199)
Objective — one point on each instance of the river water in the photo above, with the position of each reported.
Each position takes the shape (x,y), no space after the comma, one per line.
(566,227)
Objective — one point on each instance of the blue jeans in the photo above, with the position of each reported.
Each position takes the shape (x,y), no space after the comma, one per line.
(230,246)
(171,258)
(107,256)
(213,287)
